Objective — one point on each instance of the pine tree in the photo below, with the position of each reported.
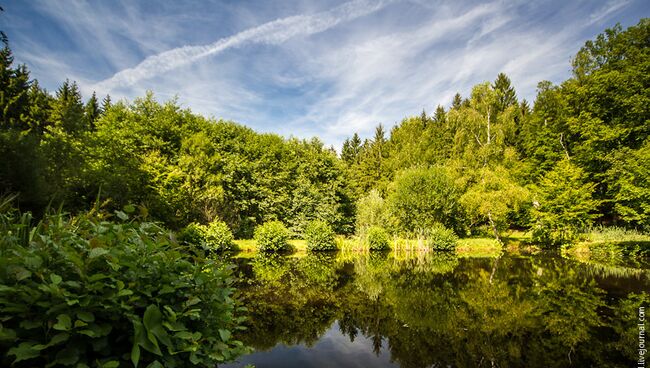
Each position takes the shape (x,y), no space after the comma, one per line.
(91,111)
(106,104)
(424,118)
(67,109)
(14,88)
(506,95)
(440,115)
(457,102)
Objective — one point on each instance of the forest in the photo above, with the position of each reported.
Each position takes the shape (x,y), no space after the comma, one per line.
(92,186)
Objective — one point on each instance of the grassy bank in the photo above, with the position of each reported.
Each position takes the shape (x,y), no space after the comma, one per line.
(466,247)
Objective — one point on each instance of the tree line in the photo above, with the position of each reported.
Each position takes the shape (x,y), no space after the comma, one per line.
(489,162)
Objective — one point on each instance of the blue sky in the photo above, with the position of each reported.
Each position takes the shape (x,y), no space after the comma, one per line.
(305,68)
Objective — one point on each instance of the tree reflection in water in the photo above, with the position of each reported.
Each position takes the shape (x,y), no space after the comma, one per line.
(436,309)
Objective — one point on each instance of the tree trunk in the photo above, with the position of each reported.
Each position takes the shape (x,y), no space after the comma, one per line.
(494,228)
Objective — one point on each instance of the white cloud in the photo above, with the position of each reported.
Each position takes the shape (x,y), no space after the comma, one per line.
(274,32)
(608,9)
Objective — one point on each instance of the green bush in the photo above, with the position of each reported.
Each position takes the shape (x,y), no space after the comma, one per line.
(193,236)
(441,238)
(272,236)
(85,292)
(320,236)
(218,236)
(214,237)
(377,238)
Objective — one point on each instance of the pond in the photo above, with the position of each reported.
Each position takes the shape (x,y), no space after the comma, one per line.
(440,310)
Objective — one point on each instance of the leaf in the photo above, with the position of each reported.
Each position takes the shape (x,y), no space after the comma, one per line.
(225,334)
(86,316)
(153,323)
(24,351)
(111,364)
(125,292)
(97,252)
(68,356)
(144,339)
(56,279)
(135,354)
(57,339)
(28,325)
(64,323)
(22,273)
(185,335)
(155,364)
(123,216)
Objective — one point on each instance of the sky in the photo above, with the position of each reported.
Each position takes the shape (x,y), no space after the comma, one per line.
(305,68)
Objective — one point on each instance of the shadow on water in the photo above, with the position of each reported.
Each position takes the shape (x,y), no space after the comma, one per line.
(435,309)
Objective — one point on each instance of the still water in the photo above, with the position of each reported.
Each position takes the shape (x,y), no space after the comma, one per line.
(440,310)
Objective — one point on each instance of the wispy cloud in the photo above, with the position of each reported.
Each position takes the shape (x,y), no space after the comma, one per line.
(305,67)
(274,32)
(608,9)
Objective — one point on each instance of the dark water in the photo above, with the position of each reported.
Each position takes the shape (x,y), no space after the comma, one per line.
(438,310)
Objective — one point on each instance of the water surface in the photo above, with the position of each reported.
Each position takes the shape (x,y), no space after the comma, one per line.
(439,310)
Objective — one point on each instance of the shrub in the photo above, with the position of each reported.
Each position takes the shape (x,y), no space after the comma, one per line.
(377,238)
(218,236)
(214,237)
(441,238)
(272,236)
(193,236)
(320,236)
(87,292)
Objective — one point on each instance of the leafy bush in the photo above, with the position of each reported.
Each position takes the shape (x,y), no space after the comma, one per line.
(193,236)
(214,237)
(377,238)
(441,238)
(218,236)
(320,236)
(88,292)
(272,236)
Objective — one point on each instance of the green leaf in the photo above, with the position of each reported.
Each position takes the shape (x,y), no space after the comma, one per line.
(125,292)
(144,339)
(123,216)
(185,335)
(97,252)
(225,334)
(56,279)
(64,323)
(135,354)
(129,208)
(111,364)
(153,323)
(24,351)
(28,325)
(155,364)
(57,339)
(21,274)
(68,356)
(86,316)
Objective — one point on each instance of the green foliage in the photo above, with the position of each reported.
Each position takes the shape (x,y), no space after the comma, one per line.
(272,236)
(320,236)
(493,198)
(86,291)
(424,197)
(377,238)
(218,236)
(440,238)
(193,235)
(563,205)
(372,210)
